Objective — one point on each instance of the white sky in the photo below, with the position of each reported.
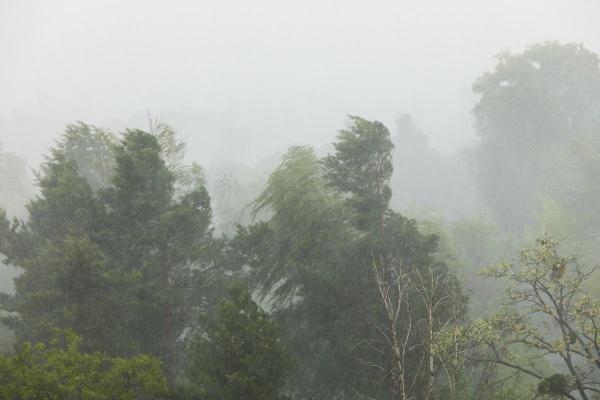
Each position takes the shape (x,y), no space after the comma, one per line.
(242,79)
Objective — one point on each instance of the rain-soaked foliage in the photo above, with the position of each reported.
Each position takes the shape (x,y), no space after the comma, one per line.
(144,260)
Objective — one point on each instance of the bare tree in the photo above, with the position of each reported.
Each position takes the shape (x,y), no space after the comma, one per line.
(417,305)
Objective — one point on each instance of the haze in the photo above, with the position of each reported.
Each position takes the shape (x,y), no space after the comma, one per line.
(311,200)
(246,79)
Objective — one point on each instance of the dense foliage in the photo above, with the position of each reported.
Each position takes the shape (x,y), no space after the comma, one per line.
(121,263)
(239,354)
(333,293)
(313,261)
(61,371)
(532,107)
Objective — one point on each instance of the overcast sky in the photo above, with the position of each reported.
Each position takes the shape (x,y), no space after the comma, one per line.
(243,79)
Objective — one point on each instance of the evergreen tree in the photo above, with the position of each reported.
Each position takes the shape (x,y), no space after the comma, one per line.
(239,355)
(122,263)
(362,167)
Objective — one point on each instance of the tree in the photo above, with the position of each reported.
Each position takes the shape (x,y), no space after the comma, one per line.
(16,187)
(311,261)
(125,263)
(232,189)
(239,355)
(530,108)
(426,178)
(401,324)
(91,148)
(362,167)
(552,318)
(569,212)
(188,177)
(61,371)
(78,292)
(308,220)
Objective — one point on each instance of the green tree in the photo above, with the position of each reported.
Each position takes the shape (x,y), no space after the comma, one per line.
(312,261)
(238,355)
(552,317)
(16,187)
(91,148)
(530,108)
(123,263)
(78,291)
(61,371)
(362,167)
(569,211)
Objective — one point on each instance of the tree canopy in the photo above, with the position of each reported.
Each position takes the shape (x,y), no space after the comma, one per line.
(60,370)
(239,354)
(121,261)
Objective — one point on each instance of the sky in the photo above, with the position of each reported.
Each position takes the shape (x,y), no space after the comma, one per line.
(241,80)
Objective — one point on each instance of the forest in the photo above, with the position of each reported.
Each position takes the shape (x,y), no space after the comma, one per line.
(375,268)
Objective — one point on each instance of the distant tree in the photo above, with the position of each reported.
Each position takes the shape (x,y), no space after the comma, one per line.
(569,211)
(238,355)
(425,177)
(16,186)
(188,176)
(61,371)
(530,109)
(478,241)
(232,189)
(91,149)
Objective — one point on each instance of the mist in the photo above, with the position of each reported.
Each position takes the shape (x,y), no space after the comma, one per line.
(312,200)
(239,79)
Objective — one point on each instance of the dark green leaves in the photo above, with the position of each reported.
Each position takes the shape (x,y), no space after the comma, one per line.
(239,355)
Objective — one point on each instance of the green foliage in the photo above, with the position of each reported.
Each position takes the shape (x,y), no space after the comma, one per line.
(188,177)
(568,211)
(312,262)
(77,292)
(16,187)
(239,354)
(552,318)
(122,260)
(91,149)
(61,371)
(466,245)
(531,107)
(362,167)
(309,219)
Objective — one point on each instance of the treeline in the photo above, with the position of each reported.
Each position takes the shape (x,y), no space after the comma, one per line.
(318,288)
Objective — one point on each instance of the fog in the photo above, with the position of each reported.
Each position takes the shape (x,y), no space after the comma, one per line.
(241,80)
(300,200)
